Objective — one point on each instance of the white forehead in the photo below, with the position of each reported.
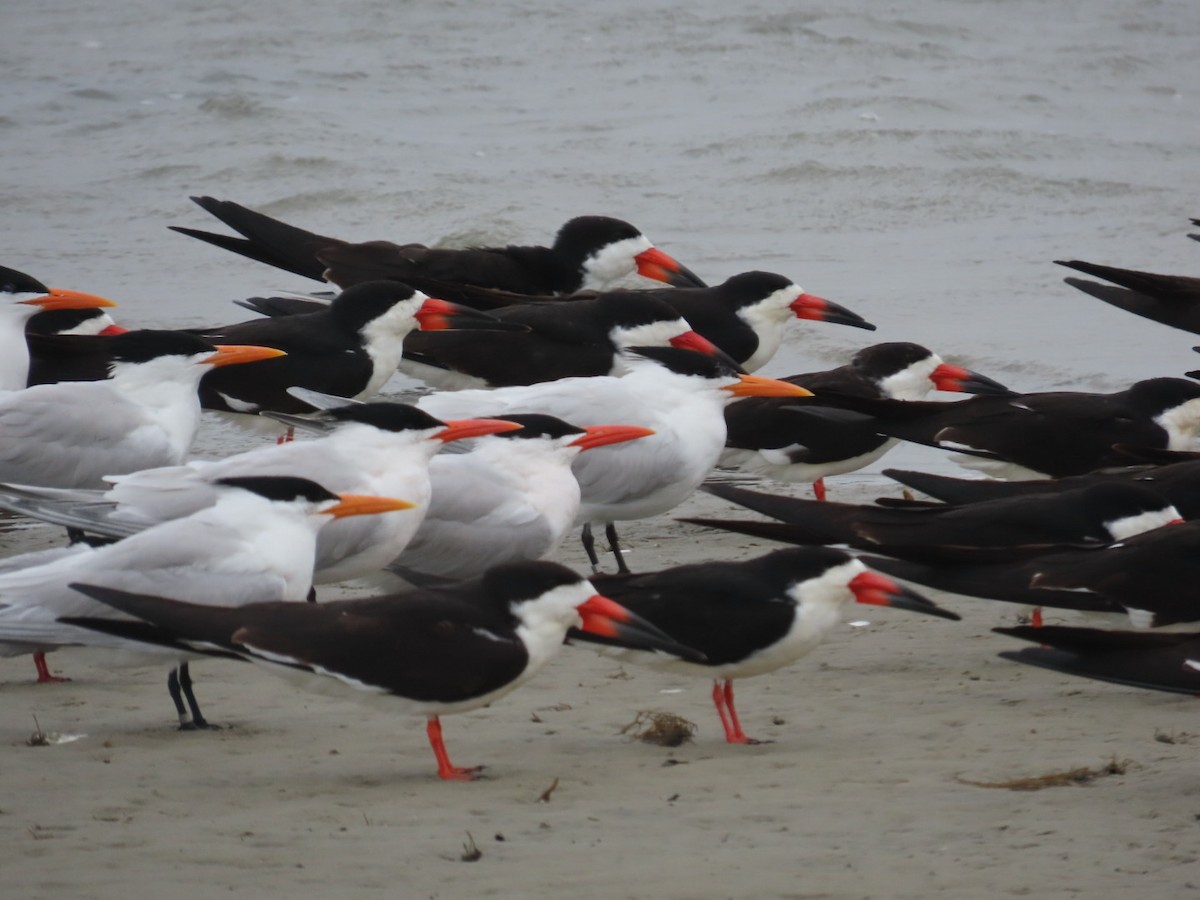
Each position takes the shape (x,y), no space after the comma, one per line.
(651,334)
(913,382)
(1182,425)
(614,263)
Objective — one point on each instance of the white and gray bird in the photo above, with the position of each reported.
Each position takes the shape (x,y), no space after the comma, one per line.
(372,448)
(254,544)
(146,414)
(679,394)
(511,497)
(22,297)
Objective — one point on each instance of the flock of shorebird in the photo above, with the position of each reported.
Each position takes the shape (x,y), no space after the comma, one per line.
(587,383)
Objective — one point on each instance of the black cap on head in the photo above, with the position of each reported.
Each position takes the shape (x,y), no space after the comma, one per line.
(362,303)
(385,416)
(520,581)
(14,282)
(582,236)
(792,565)
(628,309)
(751,287)
(280,487)
(690,362)
(146,344)
(1157,395)
(536,425)
(882,360)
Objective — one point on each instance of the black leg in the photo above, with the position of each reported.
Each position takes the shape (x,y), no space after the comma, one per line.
(185,684)
(177,699)
(79,536)
(589,545)
(610,532)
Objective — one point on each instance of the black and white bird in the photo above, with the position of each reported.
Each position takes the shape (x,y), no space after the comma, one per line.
(1178,483)
(1051,434)
(372,448)
(778,439)
(349,348)
(427,653)
(511,497)
(549,341)
(25,305)
(1170,299)
(255,543)
(746,316)
(753,617)
(88,321)
(1152,660)
(145,414)
(679,394)
(588,253)
(1008,528)
(1144,581)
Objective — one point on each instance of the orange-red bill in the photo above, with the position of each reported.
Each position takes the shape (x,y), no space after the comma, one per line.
(237,354)
(435,314)
(879,590)
(58,298)
(460,429)
(653,263)
(758,386)
(955,378)
(615,624)
(604,435)
(365,505)
(818,309)
(691,340)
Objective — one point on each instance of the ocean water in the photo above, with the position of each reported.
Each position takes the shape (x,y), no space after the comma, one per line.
(921,163)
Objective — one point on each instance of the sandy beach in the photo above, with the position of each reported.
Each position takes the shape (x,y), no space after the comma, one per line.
(921,164)
(874,783)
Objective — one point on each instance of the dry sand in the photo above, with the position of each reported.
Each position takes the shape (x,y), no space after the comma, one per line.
(862,792)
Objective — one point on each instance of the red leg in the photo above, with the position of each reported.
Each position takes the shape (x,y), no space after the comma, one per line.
(719,702)
(819,489)
(287,437)
(1035,618)
(446,770)
(44,676)
(739,736)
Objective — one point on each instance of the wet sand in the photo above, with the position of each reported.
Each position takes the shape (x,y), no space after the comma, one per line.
(863,790)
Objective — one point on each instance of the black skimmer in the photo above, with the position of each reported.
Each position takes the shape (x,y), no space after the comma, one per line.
(1177,482)
(350,348)
(372,448)
(679,394)
(429,653)
(145,414)
(24,299)
(255,543)
(753,617)
(1144,580)
(775,439)
(511,497)
(1170,299)
(1007,528)
(1051,434)
(55,356)
(563,339)
(92,320)
(588,253)
(746,316)
(1151,660)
